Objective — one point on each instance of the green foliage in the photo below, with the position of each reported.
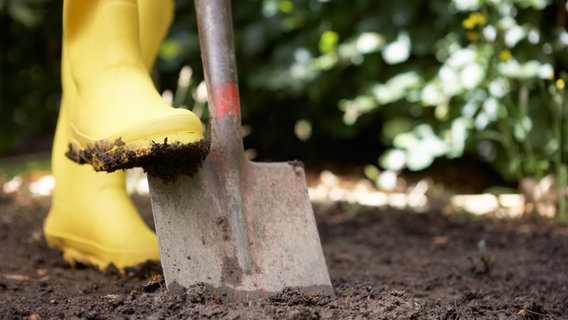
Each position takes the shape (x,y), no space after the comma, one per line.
(290,99)
(29,80)
(481,81)
(467,81)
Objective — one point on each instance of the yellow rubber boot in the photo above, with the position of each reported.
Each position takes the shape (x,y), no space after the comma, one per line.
(119,116)
(92,219)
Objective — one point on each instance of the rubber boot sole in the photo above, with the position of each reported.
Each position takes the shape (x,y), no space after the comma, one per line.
(157,157)
(81,251)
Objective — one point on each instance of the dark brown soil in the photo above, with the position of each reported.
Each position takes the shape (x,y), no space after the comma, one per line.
(166,160)
(384,264)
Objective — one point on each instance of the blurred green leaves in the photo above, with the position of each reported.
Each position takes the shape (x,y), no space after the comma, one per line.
(23,11)
(479,83)
(328,42)
(29,78)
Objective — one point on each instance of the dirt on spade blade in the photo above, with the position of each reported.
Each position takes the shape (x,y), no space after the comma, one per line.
(384,264)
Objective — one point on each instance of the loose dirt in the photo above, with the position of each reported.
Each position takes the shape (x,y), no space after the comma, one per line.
(384,264)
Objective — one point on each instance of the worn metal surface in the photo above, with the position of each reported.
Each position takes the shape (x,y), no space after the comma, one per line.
(245,229)
(245,238)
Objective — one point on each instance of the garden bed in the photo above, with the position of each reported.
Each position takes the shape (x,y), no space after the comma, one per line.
(384,264)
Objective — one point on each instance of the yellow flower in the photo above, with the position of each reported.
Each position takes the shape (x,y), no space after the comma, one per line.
(560,84)
(505,55)
(473,20)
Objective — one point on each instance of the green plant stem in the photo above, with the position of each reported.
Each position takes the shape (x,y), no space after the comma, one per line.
(510,146)
(561,159)
(509,143)
(522,115)
(561,182)
(561,170)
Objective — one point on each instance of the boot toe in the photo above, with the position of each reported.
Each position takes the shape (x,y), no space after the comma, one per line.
(177,132)
(79,250)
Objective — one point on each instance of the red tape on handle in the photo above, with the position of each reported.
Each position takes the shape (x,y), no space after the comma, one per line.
(226,100)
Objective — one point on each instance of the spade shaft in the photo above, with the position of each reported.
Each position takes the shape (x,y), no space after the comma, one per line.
(218,58)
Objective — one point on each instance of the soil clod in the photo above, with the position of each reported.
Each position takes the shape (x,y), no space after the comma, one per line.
(163,159)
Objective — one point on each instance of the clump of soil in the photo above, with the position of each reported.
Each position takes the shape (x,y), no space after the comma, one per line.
(384,264)
(163,159)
